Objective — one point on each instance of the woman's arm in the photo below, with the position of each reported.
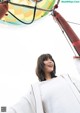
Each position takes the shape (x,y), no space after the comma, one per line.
(25,105)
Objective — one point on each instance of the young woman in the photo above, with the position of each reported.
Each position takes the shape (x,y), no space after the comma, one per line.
(46,67)
(53,94)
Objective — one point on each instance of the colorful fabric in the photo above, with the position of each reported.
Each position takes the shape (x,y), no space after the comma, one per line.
(25,14)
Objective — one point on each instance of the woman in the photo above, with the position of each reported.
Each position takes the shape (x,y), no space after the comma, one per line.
(46,68)
(52,94)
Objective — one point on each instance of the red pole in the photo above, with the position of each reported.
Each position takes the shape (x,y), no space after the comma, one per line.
(69,31)
(3,9)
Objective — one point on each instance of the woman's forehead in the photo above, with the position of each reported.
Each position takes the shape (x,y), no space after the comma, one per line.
(48,58)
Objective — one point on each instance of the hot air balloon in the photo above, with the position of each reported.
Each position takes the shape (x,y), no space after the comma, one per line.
(27,11)
(24,11)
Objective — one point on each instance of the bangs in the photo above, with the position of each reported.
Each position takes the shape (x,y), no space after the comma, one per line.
(47,56)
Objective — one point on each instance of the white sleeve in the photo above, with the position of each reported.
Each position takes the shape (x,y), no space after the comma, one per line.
(25,105)
(77,63)
(76,83)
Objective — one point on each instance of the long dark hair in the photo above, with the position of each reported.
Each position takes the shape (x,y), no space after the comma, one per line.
(40,67)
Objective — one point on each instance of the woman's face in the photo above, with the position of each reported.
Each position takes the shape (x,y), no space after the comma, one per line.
(48,66)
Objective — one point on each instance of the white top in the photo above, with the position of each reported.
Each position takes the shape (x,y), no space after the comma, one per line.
(58,96)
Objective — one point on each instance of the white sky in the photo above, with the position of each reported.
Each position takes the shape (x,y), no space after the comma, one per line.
(20,47)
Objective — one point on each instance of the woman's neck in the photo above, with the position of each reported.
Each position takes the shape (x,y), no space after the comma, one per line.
(48,76)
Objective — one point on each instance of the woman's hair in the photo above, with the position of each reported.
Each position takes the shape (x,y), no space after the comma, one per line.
(40,67)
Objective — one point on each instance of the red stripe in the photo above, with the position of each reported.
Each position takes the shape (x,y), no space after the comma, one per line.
(76,57)
(76,43)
